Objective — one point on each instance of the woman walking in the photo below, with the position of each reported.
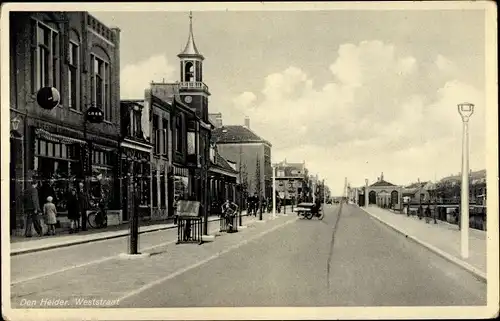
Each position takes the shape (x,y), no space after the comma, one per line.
(50,212)
(73,212)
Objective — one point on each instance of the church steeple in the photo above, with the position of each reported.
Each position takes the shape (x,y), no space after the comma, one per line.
(192,89)
(190,49)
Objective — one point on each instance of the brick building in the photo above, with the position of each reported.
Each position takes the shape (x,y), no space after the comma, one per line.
(79,56)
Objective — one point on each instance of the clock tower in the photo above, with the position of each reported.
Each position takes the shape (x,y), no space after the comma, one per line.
(192,89)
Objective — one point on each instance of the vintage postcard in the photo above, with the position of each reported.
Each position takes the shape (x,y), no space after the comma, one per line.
(260,160)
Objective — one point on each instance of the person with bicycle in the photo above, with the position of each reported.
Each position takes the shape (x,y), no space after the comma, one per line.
(229,210)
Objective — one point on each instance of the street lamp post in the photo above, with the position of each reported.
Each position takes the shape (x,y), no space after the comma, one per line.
(466,110)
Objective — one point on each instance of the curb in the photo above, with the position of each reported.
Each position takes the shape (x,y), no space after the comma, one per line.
(464,265)
(98,238)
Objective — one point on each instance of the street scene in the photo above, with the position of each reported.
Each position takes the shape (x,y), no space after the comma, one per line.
(217,159)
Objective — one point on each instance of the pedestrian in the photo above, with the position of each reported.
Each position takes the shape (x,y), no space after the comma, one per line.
(83,204)
(32,208)
(427,214)
(50,213)
(73,211)
(47,189)
(457,217)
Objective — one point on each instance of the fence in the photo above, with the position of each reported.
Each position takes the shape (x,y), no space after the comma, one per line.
(229,224)
(189,229)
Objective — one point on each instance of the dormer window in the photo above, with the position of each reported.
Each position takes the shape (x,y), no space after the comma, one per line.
(135,122)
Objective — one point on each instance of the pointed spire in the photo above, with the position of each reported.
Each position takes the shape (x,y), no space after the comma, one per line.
(190,49)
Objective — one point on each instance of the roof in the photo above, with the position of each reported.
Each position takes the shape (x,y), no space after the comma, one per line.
(236,134)
(222,163)
(416,185)
(381,183)
(190,49)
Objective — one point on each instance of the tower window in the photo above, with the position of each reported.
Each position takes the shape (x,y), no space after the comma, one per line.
(189,71)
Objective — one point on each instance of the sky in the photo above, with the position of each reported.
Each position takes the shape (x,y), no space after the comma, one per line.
(351,93)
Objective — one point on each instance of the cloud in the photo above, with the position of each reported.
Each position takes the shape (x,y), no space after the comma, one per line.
(380,112)
(135,78)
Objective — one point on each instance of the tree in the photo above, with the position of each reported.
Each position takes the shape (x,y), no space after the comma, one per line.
(258,185)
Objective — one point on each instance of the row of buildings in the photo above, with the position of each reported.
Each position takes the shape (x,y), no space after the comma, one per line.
(164,142)
(445,191)
(151,150)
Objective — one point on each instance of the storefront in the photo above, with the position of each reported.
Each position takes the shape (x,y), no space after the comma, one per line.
(180,181)
(136,182)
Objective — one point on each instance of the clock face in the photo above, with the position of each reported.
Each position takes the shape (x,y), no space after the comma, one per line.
(188,99)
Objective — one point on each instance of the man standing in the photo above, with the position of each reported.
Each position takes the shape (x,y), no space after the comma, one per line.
(83,204)
(32,208)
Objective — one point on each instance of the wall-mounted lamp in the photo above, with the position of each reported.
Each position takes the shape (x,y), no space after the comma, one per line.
(15,123)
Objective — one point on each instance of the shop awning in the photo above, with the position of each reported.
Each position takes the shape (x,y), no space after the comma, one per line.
(55,138)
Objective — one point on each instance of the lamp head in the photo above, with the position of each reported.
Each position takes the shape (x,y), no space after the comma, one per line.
(466,110)
(15,123)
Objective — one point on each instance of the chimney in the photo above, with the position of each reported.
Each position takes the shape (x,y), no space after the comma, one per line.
(218,120)
(247,122)
(382,176)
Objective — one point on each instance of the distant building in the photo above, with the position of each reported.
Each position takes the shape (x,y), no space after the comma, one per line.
(381,193)
(291,181)
(244,147)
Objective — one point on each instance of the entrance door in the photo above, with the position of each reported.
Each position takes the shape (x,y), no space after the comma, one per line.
(13,176)
(372,197)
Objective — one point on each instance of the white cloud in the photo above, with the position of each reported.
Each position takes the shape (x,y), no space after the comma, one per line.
(375,116)
(134,79)
(444,63)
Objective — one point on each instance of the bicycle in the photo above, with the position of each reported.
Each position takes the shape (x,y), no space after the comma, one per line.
(97,219)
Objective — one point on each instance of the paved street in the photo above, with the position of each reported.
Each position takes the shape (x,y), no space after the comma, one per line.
(283,262)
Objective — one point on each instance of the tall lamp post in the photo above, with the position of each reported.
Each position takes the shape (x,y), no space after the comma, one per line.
(274,191)
(466,110)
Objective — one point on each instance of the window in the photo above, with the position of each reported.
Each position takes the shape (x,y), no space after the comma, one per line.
(46,66)
(100,78)
(165,137)
(73,76)
(156,138)
(178,133)
(155,189)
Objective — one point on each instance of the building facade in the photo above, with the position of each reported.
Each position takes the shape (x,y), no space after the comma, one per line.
(252,155)
(291,181)
(223,181)
(79,56)
(385,194)
(161,160)
(135,160)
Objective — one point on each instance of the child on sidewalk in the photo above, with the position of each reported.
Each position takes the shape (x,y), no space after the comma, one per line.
(50,212)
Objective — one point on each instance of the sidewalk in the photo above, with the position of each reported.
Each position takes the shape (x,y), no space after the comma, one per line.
(22,245)
(442,238)
(120,278)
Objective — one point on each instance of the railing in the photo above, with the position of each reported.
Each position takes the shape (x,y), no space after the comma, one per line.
(193,85)
(189,229)
(229,224)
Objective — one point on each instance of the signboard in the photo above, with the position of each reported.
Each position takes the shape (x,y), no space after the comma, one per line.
(188,208)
